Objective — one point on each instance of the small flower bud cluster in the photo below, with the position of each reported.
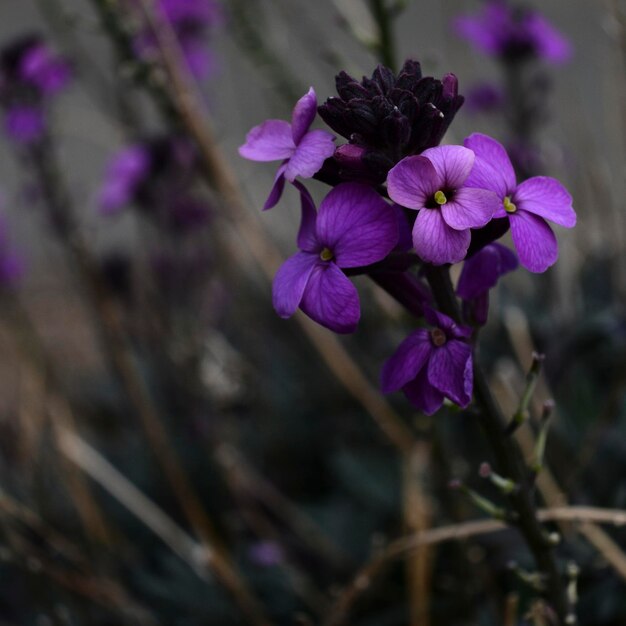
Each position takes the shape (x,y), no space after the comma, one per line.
(396,192)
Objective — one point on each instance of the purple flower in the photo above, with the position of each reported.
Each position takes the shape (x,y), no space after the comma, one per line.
(513,33)
(480,273)
(125,172)
(354,227)
(42,68)
(303,150)
(484,97)
(527,205)
(25,124)
(435,184)
(432,364)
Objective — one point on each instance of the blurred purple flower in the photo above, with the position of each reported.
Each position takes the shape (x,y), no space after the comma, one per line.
(434,183)
(304,151)
(484,98)
(191,21)
(432,364)
(355,227)
(527,205)
(24,124)
(44,69)
(124,173)
(266,553)
(513,33)
(481,273)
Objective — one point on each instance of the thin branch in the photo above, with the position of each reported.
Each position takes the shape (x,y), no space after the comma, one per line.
(404,546)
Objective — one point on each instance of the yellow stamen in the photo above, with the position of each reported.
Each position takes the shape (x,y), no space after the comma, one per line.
(326,254)
(509,207)
(440,197)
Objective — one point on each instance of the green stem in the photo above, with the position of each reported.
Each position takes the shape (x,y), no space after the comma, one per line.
(509,461)
(385,46)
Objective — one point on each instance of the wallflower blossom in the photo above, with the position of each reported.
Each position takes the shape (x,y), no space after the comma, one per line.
(527,205)
(484,97)
(513,33)
(41,67)
(434,183)
(303,150)
(24,124)
(354,227)
(432,364)
(480,273)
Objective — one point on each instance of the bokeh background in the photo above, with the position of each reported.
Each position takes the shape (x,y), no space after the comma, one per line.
(248,429)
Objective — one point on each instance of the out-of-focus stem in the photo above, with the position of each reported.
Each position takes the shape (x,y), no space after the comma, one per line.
(383,16)
(122,360)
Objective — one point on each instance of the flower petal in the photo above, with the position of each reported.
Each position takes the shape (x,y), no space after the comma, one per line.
(452,163)
(450,371)
(422,395)
(291,281)
(481,271)
(269,141)
(405,363)
(546,197)
(470,208)
(534,241)
(357,225)
(307,239)
(277,189)
(331,299)
(435,242)
(551,45)
(492,168)
(303,115)
(314,148)
(412,182)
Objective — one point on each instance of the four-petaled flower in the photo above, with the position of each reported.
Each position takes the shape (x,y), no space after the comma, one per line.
(435,184)
(527,205)
(354,227)
(303,150)
(513,33)
(432,364)
(480,273)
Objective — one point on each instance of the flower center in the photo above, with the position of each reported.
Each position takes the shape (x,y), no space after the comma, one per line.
(440,197)
(509,207)
(326,254)
(438,337)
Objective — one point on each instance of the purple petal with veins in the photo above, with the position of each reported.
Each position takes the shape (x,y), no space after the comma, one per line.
(534,241)
(435,242)
(269,141)
(303,115)
(291,281)
(492,168)
(547,198)
(470,208)
(412,182)
(452,164)
(331,299)
(408,359)
(309,156)
(357,225)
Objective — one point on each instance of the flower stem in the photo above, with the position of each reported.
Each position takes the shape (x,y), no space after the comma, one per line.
(509,462)
(383,16)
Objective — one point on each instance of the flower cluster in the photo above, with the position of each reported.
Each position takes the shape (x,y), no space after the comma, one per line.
(192,21)
(155,176)
(30,75)
(513,33)
(399,201)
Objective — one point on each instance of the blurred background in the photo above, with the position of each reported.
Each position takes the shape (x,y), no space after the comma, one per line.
(171,452)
